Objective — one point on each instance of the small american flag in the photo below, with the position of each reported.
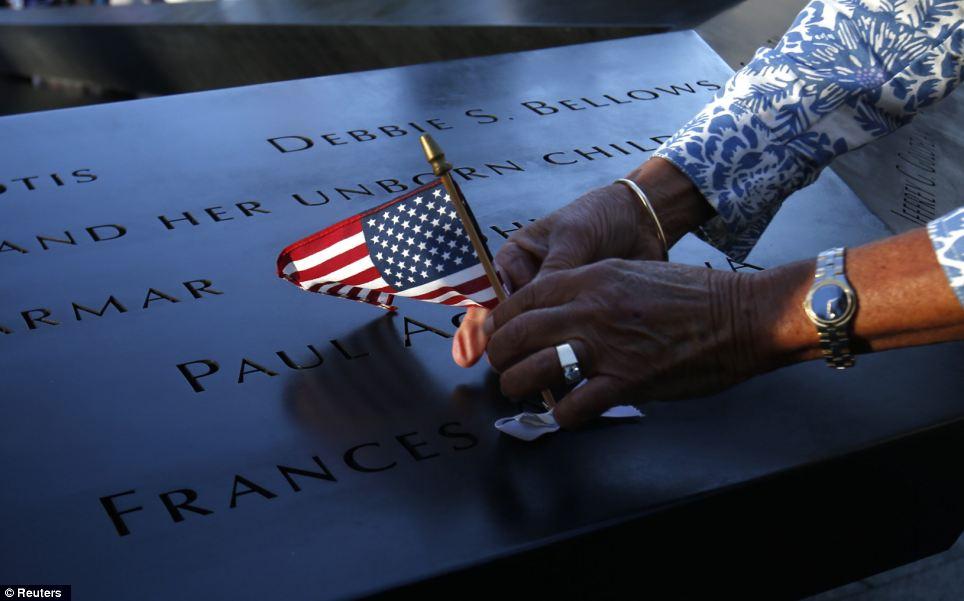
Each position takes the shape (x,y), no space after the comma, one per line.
(413,246)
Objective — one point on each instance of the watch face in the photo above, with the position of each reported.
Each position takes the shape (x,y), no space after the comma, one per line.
(830,303)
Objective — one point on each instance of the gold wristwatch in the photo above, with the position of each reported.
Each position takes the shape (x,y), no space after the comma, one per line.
(831,305)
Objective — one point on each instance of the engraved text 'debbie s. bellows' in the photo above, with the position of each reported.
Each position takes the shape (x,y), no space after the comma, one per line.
(178,423)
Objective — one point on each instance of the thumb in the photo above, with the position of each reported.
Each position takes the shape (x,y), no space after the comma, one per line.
(587,401)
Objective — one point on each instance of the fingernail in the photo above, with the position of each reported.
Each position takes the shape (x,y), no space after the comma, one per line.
(458,355)
(488,326)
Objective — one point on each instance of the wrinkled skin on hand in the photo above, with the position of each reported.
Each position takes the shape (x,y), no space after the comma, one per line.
(605,223)
(641,329)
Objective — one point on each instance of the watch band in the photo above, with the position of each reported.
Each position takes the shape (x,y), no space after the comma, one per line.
(829,263)
(835,345)
(834,338)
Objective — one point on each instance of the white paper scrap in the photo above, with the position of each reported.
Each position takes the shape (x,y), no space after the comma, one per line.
(530,426)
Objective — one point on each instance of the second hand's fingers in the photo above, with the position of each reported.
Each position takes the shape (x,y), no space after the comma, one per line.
(470,340)
(544,292)
(527,334)
(540,370)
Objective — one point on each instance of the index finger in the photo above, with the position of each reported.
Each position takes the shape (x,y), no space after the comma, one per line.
(548,291)
(470,342)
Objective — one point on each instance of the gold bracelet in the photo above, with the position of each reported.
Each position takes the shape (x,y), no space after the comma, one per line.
(649,207)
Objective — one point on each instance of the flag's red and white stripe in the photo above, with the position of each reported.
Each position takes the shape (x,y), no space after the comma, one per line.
(336,261)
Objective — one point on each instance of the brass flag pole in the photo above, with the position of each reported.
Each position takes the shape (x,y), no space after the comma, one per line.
(442,169)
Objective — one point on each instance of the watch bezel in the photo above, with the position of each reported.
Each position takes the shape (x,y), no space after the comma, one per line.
(844,285)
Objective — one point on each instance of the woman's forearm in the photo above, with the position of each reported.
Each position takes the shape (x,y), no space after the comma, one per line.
(678,203)
(902,294)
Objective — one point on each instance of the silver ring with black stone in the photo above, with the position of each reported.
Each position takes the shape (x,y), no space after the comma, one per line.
(569,363)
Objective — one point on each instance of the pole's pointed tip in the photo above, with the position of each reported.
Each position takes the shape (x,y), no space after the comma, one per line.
(431,148)
(433,152)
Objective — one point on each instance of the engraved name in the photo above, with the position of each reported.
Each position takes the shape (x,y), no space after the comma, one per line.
(88,309)
(179,504)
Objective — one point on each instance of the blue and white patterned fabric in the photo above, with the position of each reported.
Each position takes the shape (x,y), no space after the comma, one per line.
(947,236)
(846,72)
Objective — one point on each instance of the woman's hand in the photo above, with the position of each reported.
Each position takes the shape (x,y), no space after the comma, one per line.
(640,330)
(652,330)
(605,223)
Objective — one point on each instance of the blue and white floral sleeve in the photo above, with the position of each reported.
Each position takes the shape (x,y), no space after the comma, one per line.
(846,72)
(947,236)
